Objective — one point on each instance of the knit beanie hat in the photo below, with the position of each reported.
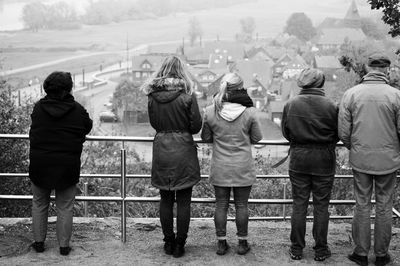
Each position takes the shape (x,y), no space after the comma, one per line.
(311,78)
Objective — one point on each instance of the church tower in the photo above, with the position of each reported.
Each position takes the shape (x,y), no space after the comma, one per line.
(352,18)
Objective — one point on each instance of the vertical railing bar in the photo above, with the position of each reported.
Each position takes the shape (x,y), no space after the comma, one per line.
(284,198)
(123,195)
(85,192)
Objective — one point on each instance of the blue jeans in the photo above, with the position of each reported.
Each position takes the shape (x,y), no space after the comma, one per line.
(384,188)
(183,200)
(241,198)
(302,186)
(40,212)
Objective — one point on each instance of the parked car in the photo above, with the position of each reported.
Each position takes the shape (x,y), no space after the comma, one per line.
(108,116)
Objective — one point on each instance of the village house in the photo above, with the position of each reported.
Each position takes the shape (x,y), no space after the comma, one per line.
(329,65)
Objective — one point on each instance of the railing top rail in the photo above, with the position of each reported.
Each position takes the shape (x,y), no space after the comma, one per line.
(143,139)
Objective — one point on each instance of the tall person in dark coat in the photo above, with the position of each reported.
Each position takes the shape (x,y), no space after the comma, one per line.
(58,129)
(309,122)
(175,116)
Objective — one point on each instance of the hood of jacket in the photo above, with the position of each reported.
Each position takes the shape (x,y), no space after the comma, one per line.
(166,89)
(57,107)
(231,111)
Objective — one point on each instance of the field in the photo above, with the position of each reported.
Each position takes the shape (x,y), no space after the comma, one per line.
(24,48)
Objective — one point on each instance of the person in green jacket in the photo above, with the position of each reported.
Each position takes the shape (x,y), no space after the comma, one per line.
(369,126)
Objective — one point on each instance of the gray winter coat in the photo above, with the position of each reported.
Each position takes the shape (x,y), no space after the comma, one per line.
(232,164)
(369,125)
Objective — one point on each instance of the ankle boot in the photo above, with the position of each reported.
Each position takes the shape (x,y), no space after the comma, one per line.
(243,247)
(222,247)
(38,246)
(169,245)
(179,249)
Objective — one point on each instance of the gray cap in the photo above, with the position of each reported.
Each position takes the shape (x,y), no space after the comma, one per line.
(378,60)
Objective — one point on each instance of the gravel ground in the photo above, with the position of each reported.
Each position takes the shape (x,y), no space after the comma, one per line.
(97,242)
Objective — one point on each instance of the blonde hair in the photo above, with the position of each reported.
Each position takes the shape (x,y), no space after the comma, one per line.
(228,79)
(171,67)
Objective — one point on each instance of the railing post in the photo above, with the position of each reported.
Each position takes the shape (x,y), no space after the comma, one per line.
(85,193)
(123,195)
(284,197)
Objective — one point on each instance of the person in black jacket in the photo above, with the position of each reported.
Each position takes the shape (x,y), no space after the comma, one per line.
(58,129)
(175,116)
(309,123)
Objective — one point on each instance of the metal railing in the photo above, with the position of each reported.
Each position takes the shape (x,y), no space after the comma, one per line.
(123,199)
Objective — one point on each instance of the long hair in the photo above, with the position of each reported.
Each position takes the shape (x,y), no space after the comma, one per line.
(171,67)
(229,79)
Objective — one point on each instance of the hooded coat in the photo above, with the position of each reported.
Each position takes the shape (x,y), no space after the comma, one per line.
(369,125)
(309,123)
(175,116)
(56,135)
(231,131)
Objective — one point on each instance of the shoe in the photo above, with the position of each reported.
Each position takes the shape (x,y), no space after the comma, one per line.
(38,246)
(243,247)
(360,260)
(222,247)
(382,260)
(321,256)
(65,250)
(295,256)
(169,247)
(179,250)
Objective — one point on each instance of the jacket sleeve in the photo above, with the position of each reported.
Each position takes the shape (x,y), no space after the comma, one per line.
(87,121)
(284,128)
(345,122)
(194,116)
(206,132)
(255,130)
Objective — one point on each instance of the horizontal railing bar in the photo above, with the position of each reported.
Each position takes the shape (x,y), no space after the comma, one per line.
(157,199)
(137,176)
(144,139)
(275,218)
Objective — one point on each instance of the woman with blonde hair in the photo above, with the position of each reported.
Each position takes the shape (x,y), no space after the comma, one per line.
(230,123)
(174,114)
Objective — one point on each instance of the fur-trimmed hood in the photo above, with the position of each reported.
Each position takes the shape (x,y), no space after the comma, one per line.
(167,89)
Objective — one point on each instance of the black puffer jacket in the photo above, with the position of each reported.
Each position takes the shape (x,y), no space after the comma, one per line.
(175,116)
(309,122)
(56,137)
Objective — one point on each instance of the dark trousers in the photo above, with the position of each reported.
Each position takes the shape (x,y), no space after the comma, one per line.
(241,198)
(183,199)
(302,186)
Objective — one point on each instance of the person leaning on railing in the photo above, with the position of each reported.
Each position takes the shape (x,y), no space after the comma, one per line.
(175,115)
(309,123)
(58,130)
(369,126)
(231,124)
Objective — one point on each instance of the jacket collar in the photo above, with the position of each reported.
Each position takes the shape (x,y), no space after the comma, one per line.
(312,91)
(375,77)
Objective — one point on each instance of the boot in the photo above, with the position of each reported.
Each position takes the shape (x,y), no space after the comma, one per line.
(179,249)
(65,250)
(38,246)
(243,247)
(169,245)
(222,247)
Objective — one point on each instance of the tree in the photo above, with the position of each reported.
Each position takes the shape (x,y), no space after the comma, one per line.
(14,153)
(375,30)
(248,25)
(34,16)
(391,14)
(61,16)
(128,94)
(300,26)
(195,30)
